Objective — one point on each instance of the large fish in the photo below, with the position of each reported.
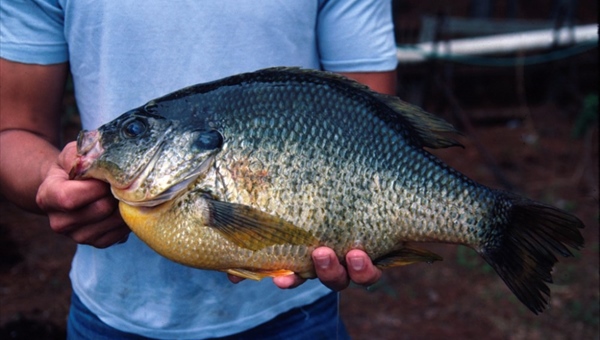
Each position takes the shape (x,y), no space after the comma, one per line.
(250,173)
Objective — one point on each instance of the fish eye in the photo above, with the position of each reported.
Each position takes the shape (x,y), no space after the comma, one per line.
(208,140)
(134,127)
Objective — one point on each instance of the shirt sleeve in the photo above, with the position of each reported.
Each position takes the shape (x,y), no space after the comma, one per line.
(32,32)
(355,36)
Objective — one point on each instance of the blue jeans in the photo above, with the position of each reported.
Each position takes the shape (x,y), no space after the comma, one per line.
(318,320)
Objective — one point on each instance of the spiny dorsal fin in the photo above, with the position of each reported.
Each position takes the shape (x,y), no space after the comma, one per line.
(422,128)
(253,229)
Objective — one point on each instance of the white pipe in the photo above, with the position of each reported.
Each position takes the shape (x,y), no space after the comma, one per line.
(504,43)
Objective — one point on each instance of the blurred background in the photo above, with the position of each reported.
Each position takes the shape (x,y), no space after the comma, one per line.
(520,80)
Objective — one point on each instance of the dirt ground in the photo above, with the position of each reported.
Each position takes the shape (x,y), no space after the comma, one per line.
(520,136)
(462,297)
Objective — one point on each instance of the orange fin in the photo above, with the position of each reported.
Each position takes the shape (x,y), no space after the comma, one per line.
(404,256)
(259,275)
(253,229)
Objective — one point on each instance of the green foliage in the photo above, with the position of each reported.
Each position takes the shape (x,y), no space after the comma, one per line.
(384,286)
(566,274)
(588,311)
(588,116)
(469,259)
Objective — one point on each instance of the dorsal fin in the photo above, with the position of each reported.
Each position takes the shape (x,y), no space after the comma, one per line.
(422,128)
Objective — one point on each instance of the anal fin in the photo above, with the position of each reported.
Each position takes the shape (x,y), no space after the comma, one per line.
(404,256)
(259,275)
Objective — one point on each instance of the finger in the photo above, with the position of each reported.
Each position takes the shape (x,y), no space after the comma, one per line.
(125,238)
(99,211)
(68,156)
(329,270)
(102,234)
(235,279)
(113,237)
(57,193)
(92,233)
(361,268)
(288,281)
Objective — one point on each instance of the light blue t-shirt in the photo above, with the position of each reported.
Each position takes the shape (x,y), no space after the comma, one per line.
(124,53)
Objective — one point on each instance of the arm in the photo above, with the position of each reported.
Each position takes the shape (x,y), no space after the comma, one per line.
(29,133)
(383,82)
(33,172)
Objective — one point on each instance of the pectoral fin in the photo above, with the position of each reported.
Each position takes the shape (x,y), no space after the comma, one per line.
(253,229)
(405,255)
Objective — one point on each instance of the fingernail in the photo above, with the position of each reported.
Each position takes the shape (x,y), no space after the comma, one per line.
(357,263)
(124,239)
(323,261)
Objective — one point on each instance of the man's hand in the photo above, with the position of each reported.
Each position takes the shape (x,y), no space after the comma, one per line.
(332,274)
(84,210)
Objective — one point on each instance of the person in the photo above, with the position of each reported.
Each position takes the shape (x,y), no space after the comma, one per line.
(122,54)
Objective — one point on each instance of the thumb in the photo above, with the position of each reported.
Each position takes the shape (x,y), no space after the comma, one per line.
(68,156)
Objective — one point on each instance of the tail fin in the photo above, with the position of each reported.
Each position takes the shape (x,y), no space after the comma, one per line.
(522,248)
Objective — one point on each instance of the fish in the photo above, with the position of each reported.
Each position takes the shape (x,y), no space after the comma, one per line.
(250,173)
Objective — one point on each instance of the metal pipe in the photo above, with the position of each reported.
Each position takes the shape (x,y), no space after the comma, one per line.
(503,43)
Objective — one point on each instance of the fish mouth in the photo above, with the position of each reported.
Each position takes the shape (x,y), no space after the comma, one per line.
(88,150)
(129,196)
(134,192)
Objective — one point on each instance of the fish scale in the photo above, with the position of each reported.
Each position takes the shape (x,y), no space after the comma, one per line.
(254,171)
(362,140)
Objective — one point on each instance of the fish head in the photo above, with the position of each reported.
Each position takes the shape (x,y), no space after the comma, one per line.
(146,158)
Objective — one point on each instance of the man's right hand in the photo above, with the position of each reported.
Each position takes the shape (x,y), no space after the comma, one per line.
(83,210)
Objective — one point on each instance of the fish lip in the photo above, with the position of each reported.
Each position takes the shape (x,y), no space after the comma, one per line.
(89,149)
(86,141)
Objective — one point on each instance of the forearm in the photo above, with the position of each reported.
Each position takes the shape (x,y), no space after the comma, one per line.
(24,162)
(382,82)
(30,98)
